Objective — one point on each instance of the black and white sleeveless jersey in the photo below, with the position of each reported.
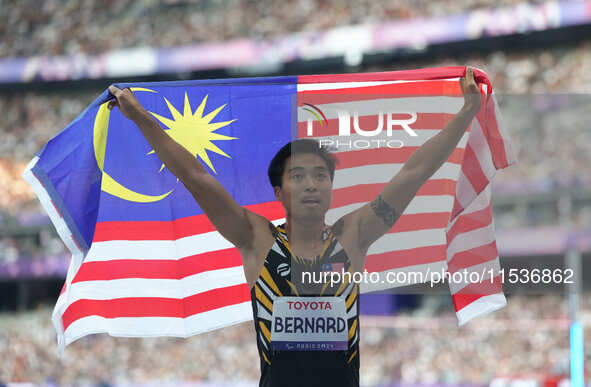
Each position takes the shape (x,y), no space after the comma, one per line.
(281,276)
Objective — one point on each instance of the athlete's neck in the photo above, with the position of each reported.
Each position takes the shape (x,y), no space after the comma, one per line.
(308,232)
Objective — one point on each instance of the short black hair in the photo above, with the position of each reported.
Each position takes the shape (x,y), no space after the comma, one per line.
(303,145)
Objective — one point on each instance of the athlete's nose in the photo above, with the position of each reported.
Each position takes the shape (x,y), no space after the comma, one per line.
(310,183)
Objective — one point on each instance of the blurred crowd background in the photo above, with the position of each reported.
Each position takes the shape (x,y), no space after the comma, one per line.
(543,92)
(31,28)
(422,347)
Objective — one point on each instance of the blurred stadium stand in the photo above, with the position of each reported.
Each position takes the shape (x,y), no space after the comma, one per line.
(58,56)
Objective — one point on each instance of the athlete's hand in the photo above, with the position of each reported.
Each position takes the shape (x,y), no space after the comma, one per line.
(470,90)
(127,103)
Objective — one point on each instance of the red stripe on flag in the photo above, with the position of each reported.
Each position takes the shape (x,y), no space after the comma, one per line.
(152,230)
(473,171)
(425,121)
(354,194)
(402,258)
(385,156)
(457,209)
(158,268)
(172,230)
(414,222)
(488,122)
(156,306)
(470,222)
(472,257)
(474,291)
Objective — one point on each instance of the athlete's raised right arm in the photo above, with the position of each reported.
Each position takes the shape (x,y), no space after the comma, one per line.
(237,224)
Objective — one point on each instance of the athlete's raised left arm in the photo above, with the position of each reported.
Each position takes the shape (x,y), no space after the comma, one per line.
(377,217)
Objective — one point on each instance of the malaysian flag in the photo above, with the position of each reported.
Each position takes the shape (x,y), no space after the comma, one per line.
(147,262)
(338,267)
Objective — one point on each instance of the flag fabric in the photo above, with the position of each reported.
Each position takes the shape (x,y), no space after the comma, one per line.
(146,261)
(447,229)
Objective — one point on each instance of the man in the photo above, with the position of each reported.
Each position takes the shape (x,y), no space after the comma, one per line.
(307,334)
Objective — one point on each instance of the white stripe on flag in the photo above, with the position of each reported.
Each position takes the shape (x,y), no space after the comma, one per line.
(349,85)
(158,249)
(482,273)
(449,105)
(479,203)
(383,173)
(160,326)
(154,287)
(481,306)
(403,276)
(471,239)
(481,149)
(511,156)
(418,205)
(408,240)
(355,142)
(464,190)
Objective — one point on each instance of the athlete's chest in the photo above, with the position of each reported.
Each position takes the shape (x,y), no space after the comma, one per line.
(319,276)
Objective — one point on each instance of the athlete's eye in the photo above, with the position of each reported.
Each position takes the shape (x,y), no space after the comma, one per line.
(297,176)
(321,176)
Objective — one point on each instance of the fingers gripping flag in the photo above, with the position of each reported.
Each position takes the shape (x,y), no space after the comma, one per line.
(146,261)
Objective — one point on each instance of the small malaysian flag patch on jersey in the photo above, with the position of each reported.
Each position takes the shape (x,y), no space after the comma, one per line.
(336,266)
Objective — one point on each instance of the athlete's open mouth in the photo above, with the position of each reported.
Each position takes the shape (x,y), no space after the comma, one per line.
(311,201)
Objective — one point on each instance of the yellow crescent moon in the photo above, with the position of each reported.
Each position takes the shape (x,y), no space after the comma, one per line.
(108,184)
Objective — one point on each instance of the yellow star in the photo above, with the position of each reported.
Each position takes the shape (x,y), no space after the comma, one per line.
(194,131)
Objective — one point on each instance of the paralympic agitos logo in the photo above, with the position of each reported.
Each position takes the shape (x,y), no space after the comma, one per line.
(350,128)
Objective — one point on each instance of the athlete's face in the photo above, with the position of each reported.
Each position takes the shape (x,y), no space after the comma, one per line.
(306,186)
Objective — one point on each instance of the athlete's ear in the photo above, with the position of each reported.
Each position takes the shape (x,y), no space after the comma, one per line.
(278,193)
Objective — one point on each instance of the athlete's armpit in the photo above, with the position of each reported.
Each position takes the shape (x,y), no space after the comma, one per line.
(337,228)
(273,230)
(384,211)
